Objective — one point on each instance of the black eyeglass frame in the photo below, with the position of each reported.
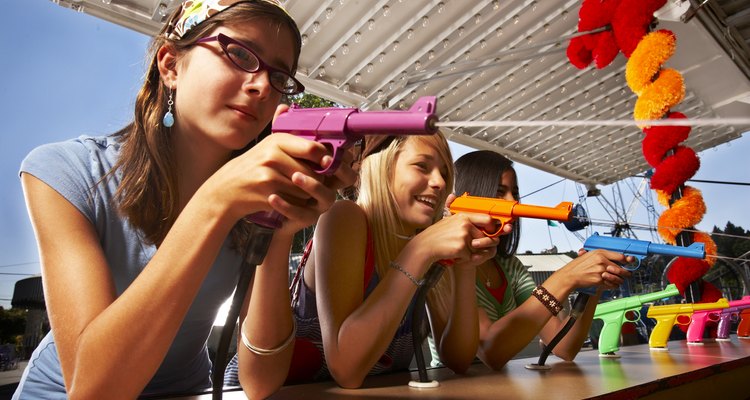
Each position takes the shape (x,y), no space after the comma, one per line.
(225,41)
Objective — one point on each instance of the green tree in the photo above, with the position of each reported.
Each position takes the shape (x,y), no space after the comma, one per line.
(734,241)
(307,100)
(12,324)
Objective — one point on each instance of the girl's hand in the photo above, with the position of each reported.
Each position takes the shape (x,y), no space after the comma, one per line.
(597,268)
(459,238)
(278,174)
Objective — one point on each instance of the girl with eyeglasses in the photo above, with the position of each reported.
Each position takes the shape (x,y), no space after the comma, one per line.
(141,233)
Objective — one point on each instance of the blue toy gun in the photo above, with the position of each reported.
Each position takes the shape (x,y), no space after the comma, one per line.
(642,248)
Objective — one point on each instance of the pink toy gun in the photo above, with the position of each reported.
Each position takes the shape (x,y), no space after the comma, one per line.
(340,128)
(729,315)
(698,324)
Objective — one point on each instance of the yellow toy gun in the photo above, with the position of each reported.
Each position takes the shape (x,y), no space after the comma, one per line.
(666,316)
(505,211)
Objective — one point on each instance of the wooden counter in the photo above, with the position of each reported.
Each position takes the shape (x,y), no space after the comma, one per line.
(719,369)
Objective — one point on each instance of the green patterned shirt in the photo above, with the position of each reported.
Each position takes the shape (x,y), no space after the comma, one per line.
(520,285)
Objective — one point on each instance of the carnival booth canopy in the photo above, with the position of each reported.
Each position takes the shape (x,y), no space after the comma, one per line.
(505,61)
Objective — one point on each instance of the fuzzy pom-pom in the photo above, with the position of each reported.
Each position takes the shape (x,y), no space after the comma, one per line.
(708,244)
(646,61)
(685,212)
(709,293)
(631,21)
(674,170)
(685,270)
(660,139)
(657,98)
(605,50)
(596,13)
(578,54)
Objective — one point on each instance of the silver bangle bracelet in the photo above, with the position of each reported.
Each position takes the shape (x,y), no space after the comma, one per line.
(411,277)
(268,352)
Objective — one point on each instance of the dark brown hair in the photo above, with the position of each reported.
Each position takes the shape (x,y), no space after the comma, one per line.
(148,195)
(479,173)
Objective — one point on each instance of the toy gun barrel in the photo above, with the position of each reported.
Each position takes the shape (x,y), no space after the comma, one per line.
(669,291)
(339,128)
(505,211)
(695,250)
(560,212)
(627,303)
(420,119)
(642,248)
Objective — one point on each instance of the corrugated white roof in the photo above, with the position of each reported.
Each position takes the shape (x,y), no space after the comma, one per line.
(544,262)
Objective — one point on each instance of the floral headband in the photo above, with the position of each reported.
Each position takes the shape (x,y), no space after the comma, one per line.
(196,11)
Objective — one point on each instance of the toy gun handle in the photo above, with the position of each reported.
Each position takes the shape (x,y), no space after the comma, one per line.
(663,328)
(609,337)
(725,321)
(698,324)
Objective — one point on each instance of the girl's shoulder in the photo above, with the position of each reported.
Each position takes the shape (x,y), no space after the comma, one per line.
(345,210)
(344,220)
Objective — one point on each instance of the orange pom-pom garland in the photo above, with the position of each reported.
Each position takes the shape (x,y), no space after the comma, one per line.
(647,59)
(658,89)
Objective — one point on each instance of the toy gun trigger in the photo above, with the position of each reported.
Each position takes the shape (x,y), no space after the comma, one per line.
(714,316)
(637,265)
(501,221)
(335,146)
(683,319)
(636,317)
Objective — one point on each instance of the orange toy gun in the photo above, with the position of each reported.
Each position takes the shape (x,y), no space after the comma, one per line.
(666,316)
(743,329)
(505,211)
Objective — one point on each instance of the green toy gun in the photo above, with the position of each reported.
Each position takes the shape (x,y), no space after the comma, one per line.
(612,313)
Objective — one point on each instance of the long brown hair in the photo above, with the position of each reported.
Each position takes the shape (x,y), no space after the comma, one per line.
(479,173)
(148,194)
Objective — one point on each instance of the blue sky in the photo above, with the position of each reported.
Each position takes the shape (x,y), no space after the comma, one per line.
(66,73)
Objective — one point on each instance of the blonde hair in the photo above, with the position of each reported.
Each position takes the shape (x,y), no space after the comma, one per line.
(376,199)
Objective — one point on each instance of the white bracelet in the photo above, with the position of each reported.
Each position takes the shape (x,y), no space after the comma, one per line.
(268,352)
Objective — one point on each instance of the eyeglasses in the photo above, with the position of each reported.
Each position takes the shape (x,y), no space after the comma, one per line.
(246,60)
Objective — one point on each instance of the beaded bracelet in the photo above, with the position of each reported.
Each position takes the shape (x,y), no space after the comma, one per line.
(411,277)
(553,305)
(268,352)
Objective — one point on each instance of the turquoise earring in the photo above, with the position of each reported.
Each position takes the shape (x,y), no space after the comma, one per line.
(168,119)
